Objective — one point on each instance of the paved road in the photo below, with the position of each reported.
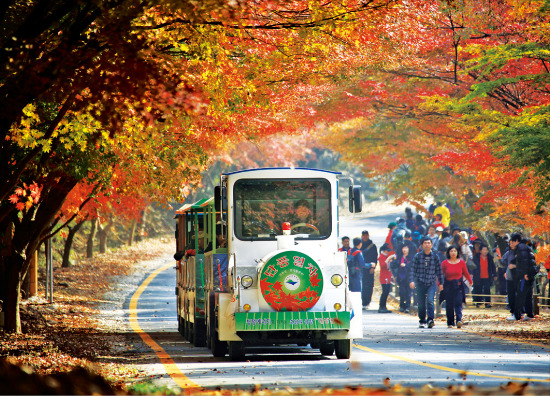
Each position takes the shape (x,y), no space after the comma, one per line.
(392,347)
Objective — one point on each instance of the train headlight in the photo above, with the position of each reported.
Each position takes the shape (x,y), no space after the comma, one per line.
(337,306)
(246,307)
(336,279)
(247,281)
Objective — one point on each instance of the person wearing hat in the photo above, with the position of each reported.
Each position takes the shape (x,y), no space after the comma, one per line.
(437,222)
(391,226)
(355,266)
(370,255)
(432,235)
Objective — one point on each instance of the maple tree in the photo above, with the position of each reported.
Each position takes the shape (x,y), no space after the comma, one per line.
(87,86)
(465,119)
(153,92)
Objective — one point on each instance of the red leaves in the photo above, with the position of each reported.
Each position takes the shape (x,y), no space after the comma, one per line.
(314,280)
(265,286)
(307,294)
(25,197)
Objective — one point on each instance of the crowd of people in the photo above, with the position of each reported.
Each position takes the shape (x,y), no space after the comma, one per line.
(425,257)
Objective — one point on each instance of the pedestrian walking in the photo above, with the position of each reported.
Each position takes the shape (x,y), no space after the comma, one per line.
(385,278)
(524,276)
(484,274)
(370,255)
(454,269)
(420,225)
(433,236)
(398,235)
(356,263)
(460,240)
(391,227)
(424,277)
(508,260)
(500,249)
(401,264)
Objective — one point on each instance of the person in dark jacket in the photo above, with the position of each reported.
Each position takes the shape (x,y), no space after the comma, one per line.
(370,255)
(420,225)
(484,274)
(524,276)
(500,249)
(400,266)
(398,235)
(409,220)
(355,266)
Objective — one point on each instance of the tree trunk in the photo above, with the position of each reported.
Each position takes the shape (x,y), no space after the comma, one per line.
(69,244)
(90,242)
(103,232)
(141,232)
(133,228)
(13,267)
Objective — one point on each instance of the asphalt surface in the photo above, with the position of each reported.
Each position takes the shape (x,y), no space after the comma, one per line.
(393,348)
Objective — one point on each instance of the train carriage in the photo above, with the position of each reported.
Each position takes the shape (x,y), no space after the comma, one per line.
(272,270)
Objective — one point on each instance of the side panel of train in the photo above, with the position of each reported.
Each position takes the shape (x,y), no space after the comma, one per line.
(272,272)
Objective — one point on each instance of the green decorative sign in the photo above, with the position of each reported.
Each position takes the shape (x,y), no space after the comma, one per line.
(291,281)
(252,321)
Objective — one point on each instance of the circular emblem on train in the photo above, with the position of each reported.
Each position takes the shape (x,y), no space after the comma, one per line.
(291,281)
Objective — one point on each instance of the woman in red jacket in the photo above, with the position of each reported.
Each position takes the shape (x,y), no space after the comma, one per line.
(453,270)
(385,277)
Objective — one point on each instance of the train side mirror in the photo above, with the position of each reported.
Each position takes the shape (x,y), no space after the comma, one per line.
(355,199)
(220,198)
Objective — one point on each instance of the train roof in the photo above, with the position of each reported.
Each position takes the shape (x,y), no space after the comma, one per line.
(280,168)
(197,205)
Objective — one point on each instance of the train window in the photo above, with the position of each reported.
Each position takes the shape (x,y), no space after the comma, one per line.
(262,205)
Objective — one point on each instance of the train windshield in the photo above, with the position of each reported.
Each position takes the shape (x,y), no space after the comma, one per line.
(263,205)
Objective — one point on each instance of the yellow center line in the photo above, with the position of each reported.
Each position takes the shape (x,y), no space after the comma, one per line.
(171,368)
(437,367)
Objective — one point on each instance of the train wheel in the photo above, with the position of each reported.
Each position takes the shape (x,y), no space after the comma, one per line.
(219,348)
(187,329)
(236,350)
(180,326)
(327,348)
(199,333)
(208,334)
(342,349)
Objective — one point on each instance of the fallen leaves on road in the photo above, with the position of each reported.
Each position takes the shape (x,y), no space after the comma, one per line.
(62,344)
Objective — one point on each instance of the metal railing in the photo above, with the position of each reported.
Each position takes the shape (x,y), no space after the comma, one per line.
(541,296)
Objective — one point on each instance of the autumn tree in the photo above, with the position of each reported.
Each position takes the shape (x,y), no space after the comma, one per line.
(465,116)
(86,86)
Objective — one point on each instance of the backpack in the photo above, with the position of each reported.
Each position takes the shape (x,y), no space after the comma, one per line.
(397,238)
(351,259)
